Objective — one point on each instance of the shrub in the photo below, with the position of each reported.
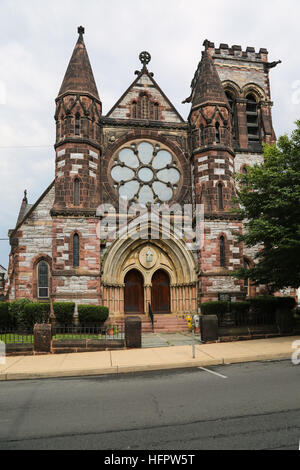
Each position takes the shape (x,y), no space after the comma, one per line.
(92,314)
(285,304)
(16,309)
(214,308)
(35,312)
(64,312)
(240,307)
(6,320)
(263,304)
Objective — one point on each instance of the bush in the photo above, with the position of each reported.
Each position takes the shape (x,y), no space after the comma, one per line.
(34,312)
(64,312)
(16,310)
(263,304)
(92,314)
(285,304)
(240,307)
(215,308)
(6,320)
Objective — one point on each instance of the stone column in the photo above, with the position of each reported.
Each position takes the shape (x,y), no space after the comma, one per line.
(42,338)
(133,332)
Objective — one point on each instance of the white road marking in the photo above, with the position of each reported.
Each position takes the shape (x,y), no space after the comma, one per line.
(215,373)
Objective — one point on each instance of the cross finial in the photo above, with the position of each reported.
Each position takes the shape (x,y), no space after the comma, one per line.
(80,30)
(145,58)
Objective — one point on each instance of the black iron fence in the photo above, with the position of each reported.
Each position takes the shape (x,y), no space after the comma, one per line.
(254,318)
(87,332)
(247,319)
(12,337)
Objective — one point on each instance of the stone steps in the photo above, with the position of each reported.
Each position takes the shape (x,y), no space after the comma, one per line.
(161,325)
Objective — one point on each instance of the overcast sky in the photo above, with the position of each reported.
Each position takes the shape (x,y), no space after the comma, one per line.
(37,40)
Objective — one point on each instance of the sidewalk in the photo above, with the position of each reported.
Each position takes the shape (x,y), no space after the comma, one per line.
(137,360)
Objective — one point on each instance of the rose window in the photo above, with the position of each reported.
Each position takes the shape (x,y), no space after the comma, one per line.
(145,173)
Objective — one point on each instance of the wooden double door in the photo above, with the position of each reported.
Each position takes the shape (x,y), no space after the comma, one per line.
(134,292)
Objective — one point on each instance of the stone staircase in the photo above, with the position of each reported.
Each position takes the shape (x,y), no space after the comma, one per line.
(162,324)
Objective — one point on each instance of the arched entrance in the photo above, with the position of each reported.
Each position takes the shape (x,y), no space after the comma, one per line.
(160,292)
(134,292)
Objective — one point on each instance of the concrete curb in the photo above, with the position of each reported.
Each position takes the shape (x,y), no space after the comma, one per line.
(142,368)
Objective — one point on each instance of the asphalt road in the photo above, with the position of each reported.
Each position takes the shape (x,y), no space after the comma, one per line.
(256,407)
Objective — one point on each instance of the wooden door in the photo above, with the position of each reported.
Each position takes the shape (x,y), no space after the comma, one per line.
(134,292)
(160,292)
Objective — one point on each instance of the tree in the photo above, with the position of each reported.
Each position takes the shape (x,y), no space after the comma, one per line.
(269,199)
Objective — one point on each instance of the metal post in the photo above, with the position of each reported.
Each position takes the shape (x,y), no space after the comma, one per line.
(193,343)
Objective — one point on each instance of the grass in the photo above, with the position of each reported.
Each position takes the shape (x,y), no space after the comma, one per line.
(11,338)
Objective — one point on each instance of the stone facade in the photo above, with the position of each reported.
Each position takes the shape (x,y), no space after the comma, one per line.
(56,250)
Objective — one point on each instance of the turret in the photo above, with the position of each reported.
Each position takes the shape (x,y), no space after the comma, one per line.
(211,139)
(78,134)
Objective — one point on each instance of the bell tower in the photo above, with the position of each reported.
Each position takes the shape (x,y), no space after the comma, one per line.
(78,134)
(211,139)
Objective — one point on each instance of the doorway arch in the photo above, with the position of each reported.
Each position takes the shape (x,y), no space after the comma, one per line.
(134,292)
(160,292)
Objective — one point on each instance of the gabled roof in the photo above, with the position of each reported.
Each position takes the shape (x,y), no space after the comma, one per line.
(79,76)
(145,82)
(31,208)
(208,86)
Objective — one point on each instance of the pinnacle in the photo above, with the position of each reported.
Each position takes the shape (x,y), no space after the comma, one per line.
(208,87)
(79,76)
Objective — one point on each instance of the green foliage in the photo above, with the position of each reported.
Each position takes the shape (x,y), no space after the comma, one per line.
(240,307)
(286,304)
(6,320)
(92,314)
(263,304)
(214,308)
(270,204)
(17,310)
(34,312)
(64,312)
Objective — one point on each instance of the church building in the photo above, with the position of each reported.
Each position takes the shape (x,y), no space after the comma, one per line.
(143,152)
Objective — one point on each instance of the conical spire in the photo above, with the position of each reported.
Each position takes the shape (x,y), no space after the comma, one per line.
(79,75)
(208,87)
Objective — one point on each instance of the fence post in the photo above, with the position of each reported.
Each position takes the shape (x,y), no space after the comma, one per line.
(133,332)
(209,328)
(42,338)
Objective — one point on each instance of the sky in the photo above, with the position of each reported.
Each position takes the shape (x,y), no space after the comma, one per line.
(37,39)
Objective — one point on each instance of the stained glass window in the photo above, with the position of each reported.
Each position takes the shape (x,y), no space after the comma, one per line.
(145,173)
(222,252)
(76,192)
(43,280)
(75,251)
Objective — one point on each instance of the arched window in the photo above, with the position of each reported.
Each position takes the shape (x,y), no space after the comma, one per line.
(252,118)
(58,131)
(156,111)
(75,250)
(220,197)
(134,110)
(76,192)
(201,135)
(43,280)
(77,124)
(222,252)
(245,173)
(63,127)
(93,129)
(145,107)
(218,140)
(231,101)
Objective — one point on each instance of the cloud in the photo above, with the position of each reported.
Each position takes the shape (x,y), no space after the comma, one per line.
(38,39)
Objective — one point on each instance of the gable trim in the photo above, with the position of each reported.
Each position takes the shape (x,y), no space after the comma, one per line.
(143,72)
